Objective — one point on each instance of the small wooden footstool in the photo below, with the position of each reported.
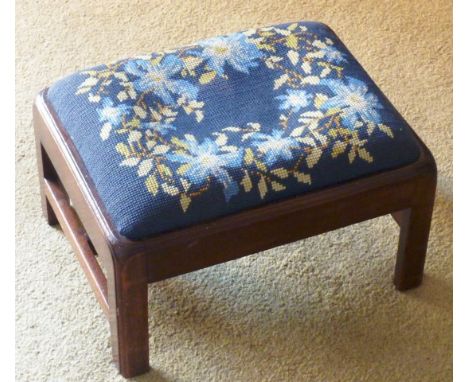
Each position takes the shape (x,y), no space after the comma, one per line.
(170,162)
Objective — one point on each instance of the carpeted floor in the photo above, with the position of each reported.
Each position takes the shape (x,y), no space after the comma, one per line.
(322,309)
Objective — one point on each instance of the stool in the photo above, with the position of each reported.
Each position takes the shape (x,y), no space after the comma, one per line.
(170,162)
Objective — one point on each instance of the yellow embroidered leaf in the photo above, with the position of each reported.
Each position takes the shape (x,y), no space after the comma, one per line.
(248,157)
(297,131)
(145,167)
(122,96)
(171,190)
(364,154)
(325,72)
(130,162)
(221,140)
(134,136)
(313,157)
(261,166)
(386,130)
(277,186)
(152,184)
(185,201)
(163,169)
(292,27)
(306,68)
(123,149)
(246,183)
(139,111)
(280,173)
(207,77)
(179,143)
(105,131)
(370,128)
(319,100)
(312,80)
(191,62)
(293,57)
(183,169)
(94,98)
(352,156)
(338,148)
(262,187)
(291,41)
(82,90)
(280,81)
(303,178)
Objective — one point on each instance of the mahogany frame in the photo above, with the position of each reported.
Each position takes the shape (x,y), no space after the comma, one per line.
(69,199)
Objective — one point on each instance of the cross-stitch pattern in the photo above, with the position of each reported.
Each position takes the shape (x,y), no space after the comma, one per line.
(242,119)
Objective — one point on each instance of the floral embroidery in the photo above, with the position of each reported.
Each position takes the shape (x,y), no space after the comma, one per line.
(234,50)
(322,111)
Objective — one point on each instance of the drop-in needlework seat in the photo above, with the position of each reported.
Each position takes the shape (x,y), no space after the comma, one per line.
(178,160)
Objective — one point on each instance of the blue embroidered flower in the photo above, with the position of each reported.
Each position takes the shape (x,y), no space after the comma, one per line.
(112,114)
(354,102)
(234,49)
(333,55)
(276,146)
(160,80)
(205,160)
(294,100)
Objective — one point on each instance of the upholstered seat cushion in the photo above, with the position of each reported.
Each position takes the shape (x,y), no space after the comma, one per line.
(179,137)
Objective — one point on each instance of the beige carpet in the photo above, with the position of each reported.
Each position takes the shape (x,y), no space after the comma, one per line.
(322,309)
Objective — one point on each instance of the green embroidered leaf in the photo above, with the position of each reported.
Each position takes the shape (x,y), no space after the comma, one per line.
(292,27)
(152,184)
(207,77)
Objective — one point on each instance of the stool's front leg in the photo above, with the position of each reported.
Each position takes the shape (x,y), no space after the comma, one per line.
(128,300)
(415,223)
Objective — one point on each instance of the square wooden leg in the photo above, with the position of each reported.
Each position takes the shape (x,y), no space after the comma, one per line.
(46,171)
(415,223)
(128,300)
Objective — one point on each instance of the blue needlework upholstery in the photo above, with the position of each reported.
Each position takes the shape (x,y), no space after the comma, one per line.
(180,137)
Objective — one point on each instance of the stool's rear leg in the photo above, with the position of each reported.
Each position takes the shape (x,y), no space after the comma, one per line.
(46,171)
(415,223)
(128,300)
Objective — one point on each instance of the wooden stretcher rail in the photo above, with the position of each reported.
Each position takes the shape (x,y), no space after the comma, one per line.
(75,232)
